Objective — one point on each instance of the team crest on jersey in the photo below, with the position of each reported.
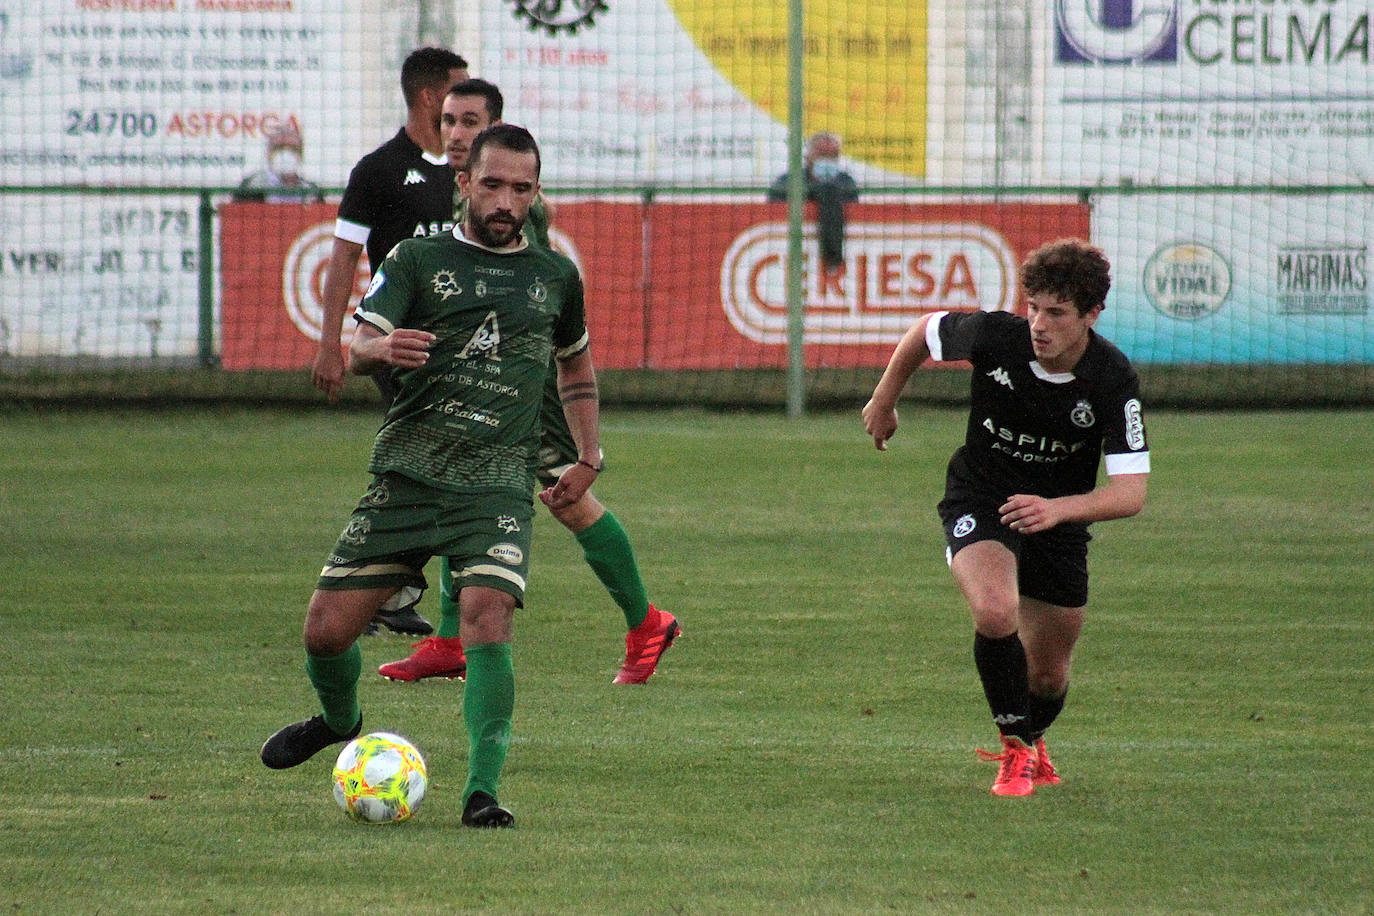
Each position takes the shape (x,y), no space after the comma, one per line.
(1082,415)
(479,288)
(359,527)
(485,341)
(964,526)
(446,284)
(538,292)
(507,523)
(1000,376)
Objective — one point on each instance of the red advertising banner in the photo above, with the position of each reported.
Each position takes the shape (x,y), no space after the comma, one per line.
(716,297)
(273,259)
(682,286)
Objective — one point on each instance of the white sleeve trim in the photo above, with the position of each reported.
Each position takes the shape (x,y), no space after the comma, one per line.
(372,318)
(351,232)
(573,349)
(933,336)
(1128,463)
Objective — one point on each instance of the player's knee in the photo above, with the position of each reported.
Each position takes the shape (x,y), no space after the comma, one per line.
(486,615)
(1052,683)
(328,630)
(994,616)
(581,515)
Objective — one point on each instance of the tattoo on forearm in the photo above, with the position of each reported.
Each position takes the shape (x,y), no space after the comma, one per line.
(578,391)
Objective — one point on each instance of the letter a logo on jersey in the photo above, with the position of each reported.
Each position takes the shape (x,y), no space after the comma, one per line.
(486,340)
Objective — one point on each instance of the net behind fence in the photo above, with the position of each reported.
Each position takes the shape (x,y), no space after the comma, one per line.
(170,177)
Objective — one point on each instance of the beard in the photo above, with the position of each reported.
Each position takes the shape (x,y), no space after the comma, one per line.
(492,235)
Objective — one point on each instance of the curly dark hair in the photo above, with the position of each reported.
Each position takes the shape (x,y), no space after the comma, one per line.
(1069,269)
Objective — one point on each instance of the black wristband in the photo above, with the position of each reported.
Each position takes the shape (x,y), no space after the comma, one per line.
(588,464)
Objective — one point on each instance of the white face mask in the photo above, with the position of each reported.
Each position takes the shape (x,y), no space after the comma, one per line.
(284,161)
(825,169)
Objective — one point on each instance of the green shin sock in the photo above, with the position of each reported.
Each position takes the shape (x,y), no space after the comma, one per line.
(609,554)
(448,607)
(488,701)
(336,682)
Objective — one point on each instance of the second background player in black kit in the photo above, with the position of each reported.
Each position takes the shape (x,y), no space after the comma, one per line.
(403,189)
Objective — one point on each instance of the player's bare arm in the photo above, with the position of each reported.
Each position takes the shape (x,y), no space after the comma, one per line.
(880,413)
(581,405)
(403,348)
(328,371)
(1122,496)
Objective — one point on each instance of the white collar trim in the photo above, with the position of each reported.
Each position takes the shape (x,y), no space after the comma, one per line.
(1045,375)
(511,249)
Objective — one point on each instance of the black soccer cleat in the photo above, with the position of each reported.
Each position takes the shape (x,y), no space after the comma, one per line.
(405,621)
(483,811)
(299,741)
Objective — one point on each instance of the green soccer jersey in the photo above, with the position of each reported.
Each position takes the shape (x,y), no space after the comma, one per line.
(468,420)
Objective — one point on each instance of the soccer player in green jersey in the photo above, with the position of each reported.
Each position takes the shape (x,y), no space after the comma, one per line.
(469,108)
(467,320)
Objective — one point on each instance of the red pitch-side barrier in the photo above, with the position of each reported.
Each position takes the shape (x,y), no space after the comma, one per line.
(679,285)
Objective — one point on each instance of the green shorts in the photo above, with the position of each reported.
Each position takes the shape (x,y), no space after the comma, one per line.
(400,523)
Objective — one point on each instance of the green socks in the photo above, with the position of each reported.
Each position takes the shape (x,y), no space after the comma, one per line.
(609,554)
(336,682)
(448,608)
(488,701)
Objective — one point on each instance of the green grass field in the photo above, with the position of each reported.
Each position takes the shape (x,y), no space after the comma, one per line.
(807,747)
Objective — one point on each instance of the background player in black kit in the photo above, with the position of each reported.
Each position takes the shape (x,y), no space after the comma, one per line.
(1050,398)
(400,190)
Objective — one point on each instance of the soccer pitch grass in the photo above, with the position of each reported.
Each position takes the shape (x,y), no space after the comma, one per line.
(806,747)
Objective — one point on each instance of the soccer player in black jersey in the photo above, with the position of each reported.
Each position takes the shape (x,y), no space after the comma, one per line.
(403,189)
(400,190)
(1050,398)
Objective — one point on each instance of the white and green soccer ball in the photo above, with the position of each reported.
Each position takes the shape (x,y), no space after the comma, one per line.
(380,778)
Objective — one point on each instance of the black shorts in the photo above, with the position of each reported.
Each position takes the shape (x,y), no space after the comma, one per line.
(1051,566)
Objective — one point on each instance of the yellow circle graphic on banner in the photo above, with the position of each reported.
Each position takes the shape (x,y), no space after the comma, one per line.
(864,68)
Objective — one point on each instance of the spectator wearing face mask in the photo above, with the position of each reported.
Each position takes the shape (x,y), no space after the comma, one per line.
(831,188)
(281,181)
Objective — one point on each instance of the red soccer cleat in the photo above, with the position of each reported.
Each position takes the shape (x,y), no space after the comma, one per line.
(1016,775)
(1045,773)
(645,645)
(437,656)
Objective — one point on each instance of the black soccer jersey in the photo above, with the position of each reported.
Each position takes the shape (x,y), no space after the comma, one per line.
(1033,431)
(397,191)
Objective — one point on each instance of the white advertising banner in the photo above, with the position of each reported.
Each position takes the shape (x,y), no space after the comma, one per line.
(1207,91)
(167,93)
(1212,278)
(126,285)
(695,91)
